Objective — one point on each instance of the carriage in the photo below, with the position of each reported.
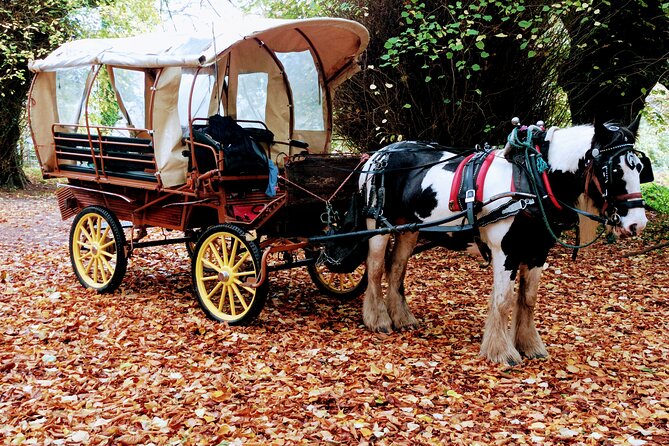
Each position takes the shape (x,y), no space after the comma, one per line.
(223,139)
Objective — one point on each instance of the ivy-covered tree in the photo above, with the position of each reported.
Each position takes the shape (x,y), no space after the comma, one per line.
(31,30)
(456,72)
(618,53)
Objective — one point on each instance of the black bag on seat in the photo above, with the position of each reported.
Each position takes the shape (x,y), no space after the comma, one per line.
(242,155)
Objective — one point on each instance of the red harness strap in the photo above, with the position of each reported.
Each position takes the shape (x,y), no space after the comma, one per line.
(480,179)
(547,185)
(453,203)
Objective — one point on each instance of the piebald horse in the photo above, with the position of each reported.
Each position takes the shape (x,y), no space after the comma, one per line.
(592,168)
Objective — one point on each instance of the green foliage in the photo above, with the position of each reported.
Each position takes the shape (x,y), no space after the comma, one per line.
(103,108)
(654,132)
(119,18)
(30,29)
(656,197)
(287,9)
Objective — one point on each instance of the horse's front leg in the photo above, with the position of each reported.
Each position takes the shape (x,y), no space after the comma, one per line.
(525,335)
(497,344)
(374,311)
(397,304)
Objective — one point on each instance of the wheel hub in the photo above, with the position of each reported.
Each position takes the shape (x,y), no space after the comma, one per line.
(224,276)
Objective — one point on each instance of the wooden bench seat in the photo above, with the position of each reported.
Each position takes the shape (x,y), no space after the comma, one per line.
(118,156)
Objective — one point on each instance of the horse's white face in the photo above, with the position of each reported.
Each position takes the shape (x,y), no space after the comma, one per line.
(626,170)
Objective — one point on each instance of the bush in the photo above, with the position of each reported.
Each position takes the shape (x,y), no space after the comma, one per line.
(656,197)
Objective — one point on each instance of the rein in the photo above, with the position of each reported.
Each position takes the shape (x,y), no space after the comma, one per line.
(538,167)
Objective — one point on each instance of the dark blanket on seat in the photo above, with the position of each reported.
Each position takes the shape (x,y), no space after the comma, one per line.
(242,154)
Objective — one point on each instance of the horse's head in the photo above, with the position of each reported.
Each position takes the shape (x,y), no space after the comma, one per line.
(614,176)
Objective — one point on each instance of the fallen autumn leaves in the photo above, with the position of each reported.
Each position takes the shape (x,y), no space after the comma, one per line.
(143,365)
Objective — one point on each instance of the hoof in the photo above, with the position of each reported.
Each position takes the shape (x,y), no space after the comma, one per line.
(512,362)
(407,327)
(385,330)
(535,355)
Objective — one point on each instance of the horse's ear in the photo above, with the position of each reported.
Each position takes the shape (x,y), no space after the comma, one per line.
(634,126)
(601,132)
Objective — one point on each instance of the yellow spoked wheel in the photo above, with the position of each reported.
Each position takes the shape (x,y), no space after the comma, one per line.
(342,285)
(97,249)
(224,262)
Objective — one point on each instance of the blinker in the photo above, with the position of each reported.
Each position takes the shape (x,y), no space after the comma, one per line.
(646,174)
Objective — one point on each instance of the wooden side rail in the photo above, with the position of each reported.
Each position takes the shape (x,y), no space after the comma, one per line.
(118,156)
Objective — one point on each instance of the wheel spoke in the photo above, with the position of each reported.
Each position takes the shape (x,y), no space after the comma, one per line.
(88,267)
(216,288)
(209,278)
(86,254)
(107,254)
(98,227)
(222,298)
(107,264)
(212,248)
(231,298)
(210,265)
(106,245)
(233,251)
(245,287)
(95,270)
(91,228)
(239,296)
(241,260)
(224,249)
(244,273)
(86,234)
(101,268)
(104,234)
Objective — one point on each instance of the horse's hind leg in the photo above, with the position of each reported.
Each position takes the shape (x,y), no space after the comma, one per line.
(497,343)
(374,311)
(397,304)
(525,335)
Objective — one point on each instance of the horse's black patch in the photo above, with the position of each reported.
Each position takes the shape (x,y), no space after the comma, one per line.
(528,241)
(455,241)
(405,198)
(426,202)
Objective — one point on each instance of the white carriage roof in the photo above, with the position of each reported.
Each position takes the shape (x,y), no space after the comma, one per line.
(335,40)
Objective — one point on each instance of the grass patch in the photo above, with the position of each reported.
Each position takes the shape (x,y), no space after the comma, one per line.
(656,197)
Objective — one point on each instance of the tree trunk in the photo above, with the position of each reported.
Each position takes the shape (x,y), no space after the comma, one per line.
(11,171)
(617,56)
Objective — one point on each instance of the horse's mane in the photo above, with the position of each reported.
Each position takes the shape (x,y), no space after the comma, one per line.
(568,147)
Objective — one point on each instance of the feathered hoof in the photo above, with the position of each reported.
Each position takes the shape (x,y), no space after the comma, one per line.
(407,327)
(535,355)
(383,329)
(510,358)
(378,322)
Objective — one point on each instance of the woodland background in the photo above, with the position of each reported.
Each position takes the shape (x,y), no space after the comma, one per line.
(452,72)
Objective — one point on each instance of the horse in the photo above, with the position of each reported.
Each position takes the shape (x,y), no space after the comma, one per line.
(591,175)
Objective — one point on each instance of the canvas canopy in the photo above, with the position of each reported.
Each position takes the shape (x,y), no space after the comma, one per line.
(255,69)
(337,41)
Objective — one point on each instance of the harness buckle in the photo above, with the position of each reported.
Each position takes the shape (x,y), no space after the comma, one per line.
(470,196)
(615,219)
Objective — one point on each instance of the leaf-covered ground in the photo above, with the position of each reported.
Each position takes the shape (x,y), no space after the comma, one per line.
(144,366)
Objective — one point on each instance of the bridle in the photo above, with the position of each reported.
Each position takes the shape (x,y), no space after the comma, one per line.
(599,174)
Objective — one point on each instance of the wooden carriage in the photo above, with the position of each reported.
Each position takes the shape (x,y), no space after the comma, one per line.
(224,137)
